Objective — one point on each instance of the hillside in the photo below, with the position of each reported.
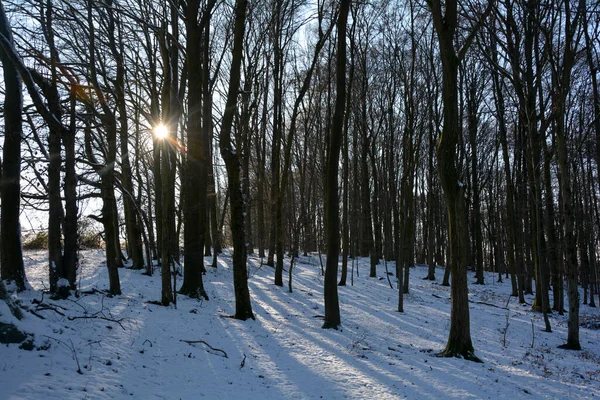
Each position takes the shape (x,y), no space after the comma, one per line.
(128,347)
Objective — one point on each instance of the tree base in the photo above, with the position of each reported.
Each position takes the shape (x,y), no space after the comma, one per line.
(193,294)
(62,293)
(244,316)
(329,325)
(468,355)
(570,346)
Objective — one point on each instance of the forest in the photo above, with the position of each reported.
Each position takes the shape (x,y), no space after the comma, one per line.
(316,161)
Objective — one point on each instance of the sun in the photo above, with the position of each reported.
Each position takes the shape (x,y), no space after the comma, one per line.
(161,131)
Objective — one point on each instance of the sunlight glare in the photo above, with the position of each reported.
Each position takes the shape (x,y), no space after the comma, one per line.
(161,131)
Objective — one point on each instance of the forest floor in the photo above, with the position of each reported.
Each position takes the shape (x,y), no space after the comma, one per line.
(97,346)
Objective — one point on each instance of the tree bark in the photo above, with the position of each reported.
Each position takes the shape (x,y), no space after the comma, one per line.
(243,307)
(11,252)
(459,339)
(196,161)
(332,219)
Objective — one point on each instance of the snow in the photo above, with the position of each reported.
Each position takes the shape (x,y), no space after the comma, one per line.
(62,282)
(127,347)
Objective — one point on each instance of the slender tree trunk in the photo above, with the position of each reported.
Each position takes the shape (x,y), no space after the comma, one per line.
(132,229)
(376,249)
(276,245)
(551,244)
(477,234)
(71,237)
(346,170)
(107,172)
(562,83)
(332,308)
(243,307)
(260,155)
(570,241)
(55,212)
(430,196)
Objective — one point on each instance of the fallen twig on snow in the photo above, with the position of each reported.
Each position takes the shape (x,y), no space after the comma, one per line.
(190,342)
(116,321)
(488,304)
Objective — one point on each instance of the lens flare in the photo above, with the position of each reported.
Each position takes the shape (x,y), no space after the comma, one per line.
(161,131)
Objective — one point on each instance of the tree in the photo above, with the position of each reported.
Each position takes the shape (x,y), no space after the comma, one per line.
(11,252)
(502,131)
(281,187)
(62,265)
(561,80)
(195,178)
(132,221)
(106,171)
(445,23)
(243,307)
(332,218)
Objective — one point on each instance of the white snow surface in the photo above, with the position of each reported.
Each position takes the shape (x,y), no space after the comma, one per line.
(377,353)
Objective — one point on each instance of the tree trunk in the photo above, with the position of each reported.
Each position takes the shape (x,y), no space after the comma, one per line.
(477,234)
(195,180)
(459,339)
(11,252)
(562,84)
(275,245)
(346,170)
(71,237)
(243,307)
(332,308)
(106,172)
(570,241)
(430,194)
(132,228)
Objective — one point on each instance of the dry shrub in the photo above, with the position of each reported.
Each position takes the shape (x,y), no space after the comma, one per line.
(37,241)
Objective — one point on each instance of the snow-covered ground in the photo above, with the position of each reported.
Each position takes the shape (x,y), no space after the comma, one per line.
(130,348)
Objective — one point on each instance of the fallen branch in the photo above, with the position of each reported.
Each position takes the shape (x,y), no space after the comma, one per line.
(488,304)
(44,307)
(36,314)
(116,321)
(191,342)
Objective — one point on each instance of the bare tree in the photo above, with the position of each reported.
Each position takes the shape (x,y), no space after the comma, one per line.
(11,253)
(445,21)
(332,218)
(243,307)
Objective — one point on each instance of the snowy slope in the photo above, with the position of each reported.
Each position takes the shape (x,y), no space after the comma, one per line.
(135,349)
